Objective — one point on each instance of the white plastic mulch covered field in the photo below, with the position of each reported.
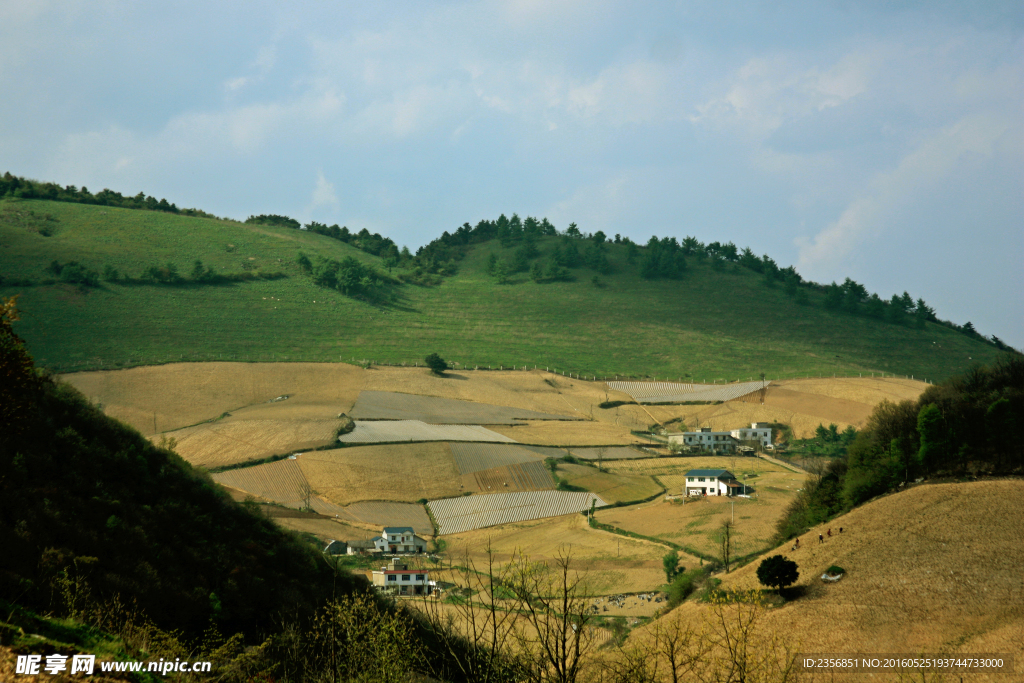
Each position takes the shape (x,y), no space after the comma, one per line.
(392,431)
(455,515)
(676,392)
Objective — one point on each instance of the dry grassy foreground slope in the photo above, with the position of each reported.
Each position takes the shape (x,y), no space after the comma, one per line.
(934,569)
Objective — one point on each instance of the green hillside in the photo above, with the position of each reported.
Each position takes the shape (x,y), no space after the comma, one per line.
(720,321)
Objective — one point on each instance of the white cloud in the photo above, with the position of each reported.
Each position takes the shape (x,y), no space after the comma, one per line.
(866,217)
(323,194)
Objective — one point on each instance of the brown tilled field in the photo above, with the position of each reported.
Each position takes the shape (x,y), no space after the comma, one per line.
(529,476)
(613,487)
(400,472)
(935,569)
(232,440)
(613,564)
(568,434)
(165,397)
(280,482)
(326,529)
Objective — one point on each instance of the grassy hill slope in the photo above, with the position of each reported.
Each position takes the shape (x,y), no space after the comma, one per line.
(714,324)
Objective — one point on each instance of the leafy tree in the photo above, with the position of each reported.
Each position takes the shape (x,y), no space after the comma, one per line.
(777,572)
(501,272)
(536,272)
(670,563)
(436,364)
(573,231)
(304,262)
(833,297)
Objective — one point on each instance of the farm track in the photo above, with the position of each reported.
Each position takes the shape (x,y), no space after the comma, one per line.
(456,515)
(393,431)
(387,405)
(665,392)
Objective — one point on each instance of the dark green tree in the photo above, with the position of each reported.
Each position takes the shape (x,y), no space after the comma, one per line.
(777,572)
(436,364)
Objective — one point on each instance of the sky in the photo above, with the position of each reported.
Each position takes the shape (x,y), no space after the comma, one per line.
(881,141)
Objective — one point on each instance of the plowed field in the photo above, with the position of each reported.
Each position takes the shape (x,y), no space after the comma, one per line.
(392,431)
(664,392)
(528,476)
(400,472)
(231,441)
(569,434)
(386,405)
(475,457)
(455,515)
(280,482)
(386,513)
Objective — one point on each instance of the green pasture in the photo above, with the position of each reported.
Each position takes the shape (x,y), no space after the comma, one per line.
(712,325)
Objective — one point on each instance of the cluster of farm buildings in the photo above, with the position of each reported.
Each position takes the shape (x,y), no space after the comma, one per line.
(397,578)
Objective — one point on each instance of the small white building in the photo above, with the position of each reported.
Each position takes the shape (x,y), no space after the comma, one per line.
(712,483)
(399,579)
(399,539)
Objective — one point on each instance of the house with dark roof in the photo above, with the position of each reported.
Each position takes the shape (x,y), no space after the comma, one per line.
(399,539)
(712,483)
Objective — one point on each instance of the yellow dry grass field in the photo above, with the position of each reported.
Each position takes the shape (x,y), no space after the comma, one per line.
(400,472)
(613,487)
(612,564)
(935,569)
(530,476)
(166,397)
(695,522)
(568,434)
(232,440)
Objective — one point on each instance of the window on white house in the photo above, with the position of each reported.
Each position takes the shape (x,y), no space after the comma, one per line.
(392,578)
(406,577)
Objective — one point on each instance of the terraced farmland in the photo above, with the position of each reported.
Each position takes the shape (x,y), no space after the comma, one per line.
(387,405)
(393,431)
(608,453)
(281,482)
(455,515)
(529,476)
(675,392)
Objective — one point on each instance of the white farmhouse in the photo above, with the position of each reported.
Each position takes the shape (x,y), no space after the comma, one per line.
(723,442)
(712,483)
(398,578)
(399,539)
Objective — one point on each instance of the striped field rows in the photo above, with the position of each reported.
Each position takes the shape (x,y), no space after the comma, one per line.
(608,453)
(676,392)
(393,431)
(388,405)
(455,515)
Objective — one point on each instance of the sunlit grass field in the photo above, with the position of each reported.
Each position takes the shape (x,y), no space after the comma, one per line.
(711,325)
